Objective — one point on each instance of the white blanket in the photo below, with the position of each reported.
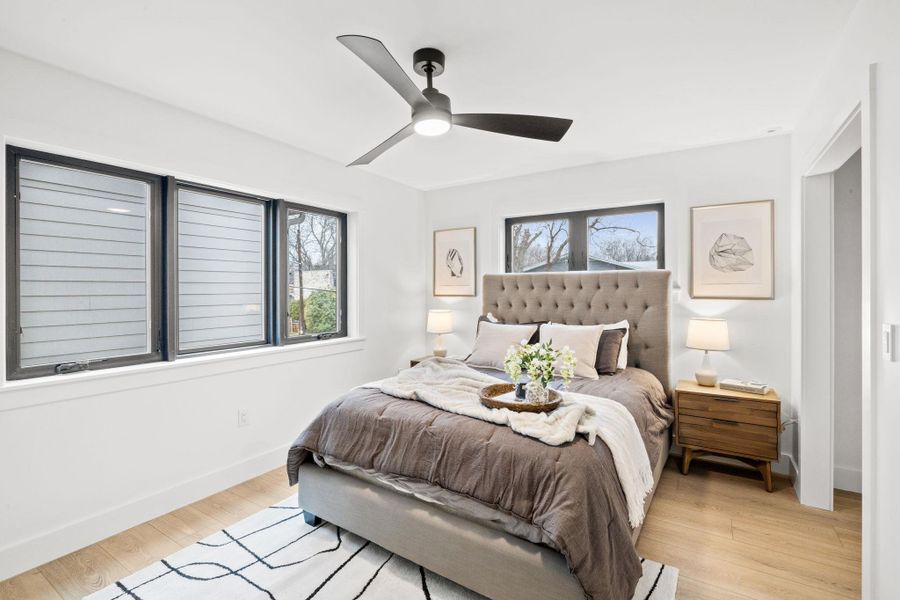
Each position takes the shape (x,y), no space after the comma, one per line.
(452,386)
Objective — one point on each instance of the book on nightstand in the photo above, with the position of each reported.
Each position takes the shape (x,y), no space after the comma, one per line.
(740,385)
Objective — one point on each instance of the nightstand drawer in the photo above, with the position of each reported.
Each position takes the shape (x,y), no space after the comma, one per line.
(728,436)
(728,408)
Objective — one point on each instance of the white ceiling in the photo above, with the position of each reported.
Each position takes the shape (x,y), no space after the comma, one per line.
(638,77)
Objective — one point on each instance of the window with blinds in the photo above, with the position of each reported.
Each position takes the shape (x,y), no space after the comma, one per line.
(221,271)
(108,266)
(84,267)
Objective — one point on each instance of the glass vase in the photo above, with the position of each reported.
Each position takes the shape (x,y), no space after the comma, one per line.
(520,391)
(536,393)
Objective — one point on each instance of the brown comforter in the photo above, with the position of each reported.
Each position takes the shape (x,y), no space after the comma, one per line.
(571,492)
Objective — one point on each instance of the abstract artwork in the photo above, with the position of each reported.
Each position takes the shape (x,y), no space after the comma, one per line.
(732,251)
(454,262)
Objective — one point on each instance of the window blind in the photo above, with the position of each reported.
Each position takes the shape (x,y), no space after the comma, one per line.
(83,256)
(221,276)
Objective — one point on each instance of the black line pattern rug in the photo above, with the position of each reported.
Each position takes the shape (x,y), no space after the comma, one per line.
(275,555)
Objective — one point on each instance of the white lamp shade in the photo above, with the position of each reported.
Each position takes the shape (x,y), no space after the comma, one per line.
(440,321)
(708,334)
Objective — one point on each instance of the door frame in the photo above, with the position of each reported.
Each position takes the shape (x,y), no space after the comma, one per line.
(814,487)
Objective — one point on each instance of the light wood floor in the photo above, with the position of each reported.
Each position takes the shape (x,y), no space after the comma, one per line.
(729,538)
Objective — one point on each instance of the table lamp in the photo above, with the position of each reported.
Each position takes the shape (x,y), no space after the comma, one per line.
(707,334)
(440,322)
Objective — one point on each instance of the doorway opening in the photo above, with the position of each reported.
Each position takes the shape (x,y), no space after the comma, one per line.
(847,323)
(833,317)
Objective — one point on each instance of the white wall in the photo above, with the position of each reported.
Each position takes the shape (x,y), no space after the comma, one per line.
(86,455)
(753,170)
(871,37)
(847,326)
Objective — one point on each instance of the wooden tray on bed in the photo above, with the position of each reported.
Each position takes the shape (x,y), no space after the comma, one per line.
(490,398)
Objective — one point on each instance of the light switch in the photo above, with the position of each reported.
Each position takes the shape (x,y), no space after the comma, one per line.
(887,341)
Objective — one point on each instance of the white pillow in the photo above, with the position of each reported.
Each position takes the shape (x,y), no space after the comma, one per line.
(583,340)
(493,341)
(623,349)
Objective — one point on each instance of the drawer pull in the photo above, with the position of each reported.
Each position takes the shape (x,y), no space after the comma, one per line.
(728,399)
(722,422)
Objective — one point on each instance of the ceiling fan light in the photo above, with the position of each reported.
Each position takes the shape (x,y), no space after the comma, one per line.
(432,126)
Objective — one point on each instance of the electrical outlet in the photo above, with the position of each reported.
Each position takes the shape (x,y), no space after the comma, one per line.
(243,417)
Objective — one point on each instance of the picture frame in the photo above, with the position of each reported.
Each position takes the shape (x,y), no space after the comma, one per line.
(454,262)
(733,251)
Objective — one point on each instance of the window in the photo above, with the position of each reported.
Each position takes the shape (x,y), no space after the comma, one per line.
(221,270)
(540,246)
(83,252)
(109,266)
(314,280)
(601,240)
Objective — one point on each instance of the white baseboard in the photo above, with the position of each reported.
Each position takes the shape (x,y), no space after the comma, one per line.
(35,551)
(848,479)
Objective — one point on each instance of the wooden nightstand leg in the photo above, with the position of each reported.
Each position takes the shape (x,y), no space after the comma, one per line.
(766,470)
(686,456)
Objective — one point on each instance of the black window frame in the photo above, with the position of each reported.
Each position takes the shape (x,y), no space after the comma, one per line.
(268,205)
(282,287)
(578,236)
(14,369)
(163,274)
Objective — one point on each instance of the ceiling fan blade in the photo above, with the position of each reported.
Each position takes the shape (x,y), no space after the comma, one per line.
(383,146)
(550,129)
(373,53)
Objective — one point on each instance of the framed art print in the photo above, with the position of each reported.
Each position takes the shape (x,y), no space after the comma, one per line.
(454,262)
(732,251)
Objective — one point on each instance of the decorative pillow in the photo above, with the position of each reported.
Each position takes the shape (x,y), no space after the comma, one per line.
(492,319)
(608,351)
(493,340)
(583,340)
(623,350)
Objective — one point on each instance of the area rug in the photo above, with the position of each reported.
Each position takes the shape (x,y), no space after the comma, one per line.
(275,555)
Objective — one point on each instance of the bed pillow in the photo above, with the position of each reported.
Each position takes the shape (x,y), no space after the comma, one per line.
(583,340)
(623,350)
(492,319)
(608,351)
(493,340)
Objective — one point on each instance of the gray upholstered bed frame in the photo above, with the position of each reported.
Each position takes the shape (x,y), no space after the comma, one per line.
(488,561)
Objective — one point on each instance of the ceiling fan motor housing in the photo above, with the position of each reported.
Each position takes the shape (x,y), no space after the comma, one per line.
(439,108)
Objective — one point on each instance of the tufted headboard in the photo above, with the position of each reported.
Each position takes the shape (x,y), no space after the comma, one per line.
(592,298)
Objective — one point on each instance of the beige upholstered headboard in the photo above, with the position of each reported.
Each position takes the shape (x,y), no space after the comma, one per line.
(592,298)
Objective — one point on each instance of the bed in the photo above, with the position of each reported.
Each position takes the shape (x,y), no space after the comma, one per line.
(488,546)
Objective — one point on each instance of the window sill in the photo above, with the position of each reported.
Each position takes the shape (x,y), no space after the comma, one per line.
(58,388)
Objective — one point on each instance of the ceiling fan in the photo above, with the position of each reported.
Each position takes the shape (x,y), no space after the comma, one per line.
(431,113)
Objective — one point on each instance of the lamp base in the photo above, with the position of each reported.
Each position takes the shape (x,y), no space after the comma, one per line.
(439,349)
(707,378)
(706,375)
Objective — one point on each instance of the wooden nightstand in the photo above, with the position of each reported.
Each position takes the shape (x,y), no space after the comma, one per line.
(710,420)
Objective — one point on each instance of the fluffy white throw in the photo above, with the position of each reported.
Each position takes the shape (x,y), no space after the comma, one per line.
(452,386)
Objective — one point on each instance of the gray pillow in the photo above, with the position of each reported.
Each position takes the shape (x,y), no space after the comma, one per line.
(608,351)
(493,341)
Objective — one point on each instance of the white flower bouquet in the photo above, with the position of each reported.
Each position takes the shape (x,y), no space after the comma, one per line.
(538,361)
